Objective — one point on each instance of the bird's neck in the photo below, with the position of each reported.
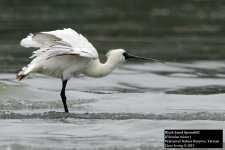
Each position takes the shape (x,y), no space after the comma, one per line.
(97,69)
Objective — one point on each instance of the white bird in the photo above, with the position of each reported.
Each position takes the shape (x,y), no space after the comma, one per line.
(65,54)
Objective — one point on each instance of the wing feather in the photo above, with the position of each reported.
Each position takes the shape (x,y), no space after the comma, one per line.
(59,43)
(45,39)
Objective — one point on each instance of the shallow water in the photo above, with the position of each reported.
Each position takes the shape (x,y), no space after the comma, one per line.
(128,109)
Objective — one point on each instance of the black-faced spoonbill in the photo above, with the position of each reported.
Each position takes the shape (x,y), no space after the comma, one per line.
(65,53)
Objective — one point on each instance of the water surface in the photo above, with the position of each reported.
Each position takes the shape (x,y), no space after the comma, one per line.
(130,108)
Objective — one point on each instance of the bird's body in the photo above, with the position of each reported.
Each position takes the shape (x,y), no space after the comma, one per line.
(65,53)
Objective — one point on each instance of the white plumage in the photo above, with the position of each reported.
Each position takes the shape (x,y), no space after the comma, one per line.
(74,49)
(65,53)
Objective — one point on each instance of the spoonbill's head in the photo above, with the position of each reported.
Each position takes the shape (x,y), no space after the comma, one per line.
(120,55)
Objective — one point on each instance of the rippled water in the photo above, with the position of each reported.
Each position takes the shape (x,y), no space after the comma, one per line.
(128,109)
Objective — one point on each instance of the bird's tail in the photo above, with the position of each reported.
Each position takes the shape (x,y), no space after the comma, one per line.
(22,74)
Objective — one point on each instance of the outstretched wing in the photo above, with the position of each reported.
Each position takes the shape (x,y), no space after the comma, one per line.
(59,43)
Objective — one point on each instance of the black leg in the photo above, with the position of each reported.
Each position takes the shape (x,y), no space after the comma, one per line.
(63,95)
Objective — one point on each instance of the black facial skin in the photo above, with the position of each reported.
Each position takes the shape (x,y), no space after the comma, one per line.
(126,55)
